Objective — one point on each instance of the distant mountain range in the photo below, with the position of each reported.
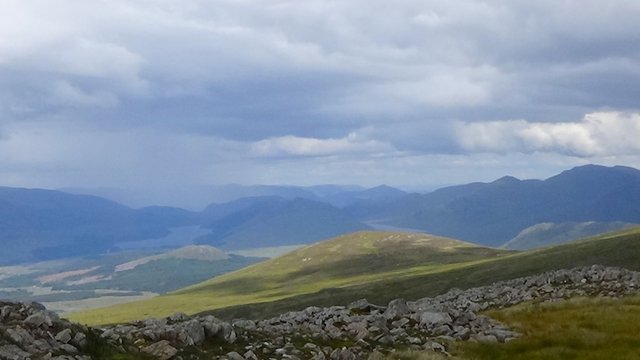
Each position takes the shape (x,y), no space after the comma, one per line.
(40,224)
(196,197)
(45,224)
(278,222)
(494,213)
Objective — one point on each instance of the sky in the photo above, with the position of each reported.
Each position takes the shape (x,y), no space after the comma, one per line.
(157,94)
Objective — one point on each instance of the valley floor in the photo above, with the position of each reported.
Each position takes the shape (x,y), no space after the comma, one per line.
(63,308)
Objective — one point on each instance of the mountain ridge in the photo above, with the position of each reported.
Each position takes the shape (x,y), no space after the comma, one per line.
(39,224)
(495,212)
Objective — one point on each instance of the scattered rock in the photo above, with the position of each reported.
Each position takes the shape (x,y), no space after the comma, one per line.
(432,320)
(64,336)
(40,318)
(162,350)
(80,340)
(68,348)
(235,356)
(360,306)
(13,352)
(250,355)
(396,308)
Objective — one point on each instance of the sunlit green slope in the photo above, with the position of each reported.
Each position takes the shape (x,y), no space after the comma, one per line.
(378,266)
(354,259)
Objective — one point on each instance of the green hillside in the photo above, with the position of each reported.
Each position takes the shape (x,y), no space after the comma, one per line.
(548,234)
(378,266)
(580,328)
(354,259)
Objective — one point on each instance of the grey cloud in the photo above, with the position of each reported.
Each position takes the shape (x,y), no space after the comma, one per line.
(290,74)
(416,56)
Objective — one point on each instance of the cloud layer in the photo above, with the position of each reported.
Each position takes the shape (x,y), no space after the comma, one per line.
(119,92)
(598,134)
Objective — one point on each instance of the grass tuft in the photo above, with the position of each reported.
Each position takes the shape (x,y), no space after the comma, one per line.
(581,328)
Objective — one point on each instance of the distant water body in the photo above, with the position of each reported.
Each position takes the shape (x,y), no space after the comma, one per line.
(179,237)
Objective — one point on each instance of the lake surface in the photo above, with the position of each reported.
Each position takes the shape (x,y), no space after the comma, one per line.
(179,237)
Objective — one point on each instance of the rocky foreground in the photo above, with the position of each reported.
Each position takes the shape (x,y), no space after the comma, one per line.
(357,331)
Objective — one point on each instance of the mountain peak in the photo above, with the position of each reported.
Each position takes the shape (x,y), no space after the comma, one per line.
(592,170)
(383,188)
(506,180)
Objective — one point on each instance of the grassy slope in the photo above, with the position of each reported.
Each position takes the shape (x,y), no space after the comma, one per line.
(580,328)
(618,249)
(267,289)
(586,329)
(349,260)
(549,234)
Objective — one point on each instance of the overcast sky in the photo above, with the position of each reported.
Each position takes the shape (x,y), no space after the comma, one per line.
(156,93)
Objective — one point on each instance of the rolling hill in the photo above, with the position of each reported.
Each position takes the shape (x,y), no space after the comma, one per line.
(348,260)
(378,266)
(547,234)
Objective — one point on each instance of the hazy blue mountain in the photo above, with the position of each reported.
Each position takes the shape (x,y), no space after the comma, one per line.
(231,192)
(40,224)
(547,234)
(166,215)
(45,224)
(367,197)
(275,221)
(493,213)
(216,211)
(324,191)
(195,197)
